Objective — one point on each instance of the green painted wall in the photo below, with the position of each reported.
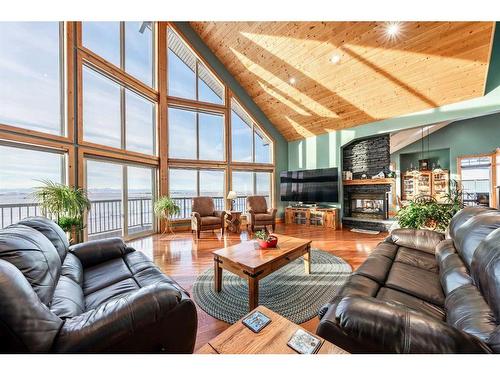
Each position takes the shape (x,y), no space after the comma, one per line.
(436,156)
(281,145)
(465,137)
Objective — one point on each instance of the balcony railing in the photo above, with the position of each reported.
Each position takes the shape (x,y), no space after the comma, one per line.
(105,217)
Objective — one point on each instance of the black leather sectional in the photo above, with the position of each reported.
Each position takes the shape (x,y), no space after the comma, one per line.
(424,292)
(99,296)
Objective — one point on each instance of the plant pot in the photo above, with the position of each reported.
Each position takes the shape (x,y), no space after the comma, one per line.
(270,243)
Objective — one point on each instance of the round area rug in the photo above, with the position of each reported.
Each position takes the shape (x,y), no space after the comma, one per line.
(288,291)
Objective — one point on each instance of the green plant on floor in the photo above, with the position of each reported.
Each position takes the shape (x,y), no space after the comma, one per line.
(165,207)
(428,214)
(64,203)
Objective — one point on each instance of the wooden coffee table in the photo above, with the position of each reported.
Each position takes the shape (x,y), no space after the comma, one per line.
(273,339)
(248,261)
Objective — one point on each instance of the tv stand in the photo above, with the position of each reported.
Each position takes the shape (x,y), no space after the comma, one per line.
(313,216)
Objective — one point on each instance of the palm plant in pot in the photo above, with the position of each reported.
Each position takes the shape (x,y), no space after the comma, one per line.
(66,204)
(165,207)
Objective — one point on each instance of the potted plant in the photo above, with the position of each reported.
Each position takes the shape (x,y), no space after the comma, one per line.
(266,240)
(165,207)
(429,214)
(66,204)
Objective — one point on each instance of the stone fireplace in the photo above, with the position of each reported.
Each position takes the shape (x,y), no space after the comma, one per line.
(370,206)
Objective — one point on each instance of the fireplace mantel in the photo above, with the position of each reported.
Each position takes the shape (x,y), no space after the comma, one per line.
(371,181)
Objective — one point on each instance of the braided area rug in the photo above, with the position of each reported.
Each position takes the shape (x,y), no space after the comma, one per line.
(287,291)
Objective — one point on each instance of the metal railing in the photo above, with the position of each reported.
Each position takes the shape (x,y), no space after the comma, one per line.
(107,215)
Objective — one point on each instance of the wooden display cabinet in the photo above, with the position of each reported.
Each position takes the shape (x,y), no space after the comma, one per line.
(435,184)
(440,185)
(325,217)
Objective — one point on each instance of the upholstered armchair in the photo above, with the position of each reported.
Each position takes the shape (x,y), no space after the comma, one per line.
(258,213)
(205,217)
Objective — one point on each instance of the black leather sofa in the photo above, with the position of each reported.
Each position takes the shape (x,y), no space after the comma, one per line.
(423,292)
(99,296)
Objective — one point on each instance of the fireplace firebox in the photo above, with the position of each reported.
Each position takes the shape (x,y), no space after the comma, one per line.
(369,205)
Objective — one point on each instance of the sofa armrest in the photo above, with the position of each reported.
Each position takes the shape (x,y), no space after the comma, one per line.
(394,328)
(105,328)
(420,239)
(251,216)
(94,252)
(272,211)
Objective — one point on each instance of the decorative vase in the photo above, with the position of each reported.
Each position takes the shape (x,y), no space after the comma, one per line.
(270,243)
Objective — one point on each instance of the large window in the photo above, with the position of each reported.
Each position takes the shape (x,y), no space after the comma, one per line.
(249,143)
(246,183)
(137,55)
(188,78)
(31,76)
(195,135)
(184,184)
(109,185)
(21,170)
(116,116)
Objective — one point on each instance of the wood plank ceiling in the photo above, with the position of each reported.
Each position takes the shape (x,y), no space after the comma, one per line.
(287,68)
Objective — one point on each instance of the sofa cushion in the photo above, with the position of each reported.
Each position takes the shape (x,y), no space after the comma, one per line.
(391,295)
(68,299)
(417,258)
(462,216)
(453,273)
(203,205)
(102,275)
(416,282)
(485,271)
(420,239)
(467,310)
(118,289)
(72,268)
(210,220)
(387,249)
(264,218)
(360,286)
(257,204)
(473,231)
(375,267)
(34,255)
(52,231)
(445,248)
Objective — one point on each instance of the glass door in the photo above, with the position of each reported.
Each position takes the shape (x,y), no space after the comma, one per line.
(109,185)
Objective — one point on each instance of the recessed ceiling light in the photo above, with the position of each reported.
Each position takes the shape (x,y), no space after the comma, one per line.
(292,80)
(393,30)
(335,59)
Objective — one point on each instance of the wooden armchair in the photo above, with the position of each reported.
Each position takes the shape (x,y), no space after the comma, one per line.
(204,216)
(258,213)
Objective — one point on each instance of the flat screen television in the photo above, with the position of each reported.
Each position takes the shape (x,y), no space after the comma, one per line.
(310,186)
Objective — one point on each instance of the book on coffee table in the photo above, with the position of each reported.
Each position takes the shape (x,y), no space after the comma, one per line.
(304,343)
(256,321)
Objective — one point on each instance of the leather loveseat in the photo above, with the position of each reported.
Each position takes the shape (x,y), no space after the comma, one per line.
(98,296)
(423,292)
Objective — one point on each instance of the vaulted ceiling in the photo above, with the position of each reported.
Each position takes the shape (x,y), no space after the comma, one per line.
(290,69)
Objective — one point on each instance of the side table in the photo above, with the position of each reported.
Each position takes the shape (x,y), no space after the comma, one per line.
(233,221)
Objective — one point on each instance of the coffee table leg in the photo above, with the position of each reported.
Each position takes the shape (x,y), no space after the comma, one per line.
(218,275)
(253,293)
(307,261)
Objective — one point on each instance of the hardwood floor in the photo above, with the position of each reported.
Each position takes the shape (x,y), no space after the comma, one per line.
(183,257)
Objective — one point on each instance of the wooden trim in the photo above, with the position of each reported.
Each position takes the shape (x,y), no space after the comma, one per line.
(250,166)
(196,163)
(120,155)
(177,102)
(116,74)
(34,133)
(118,151)
(27,139)
(70,80)
(371,181)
